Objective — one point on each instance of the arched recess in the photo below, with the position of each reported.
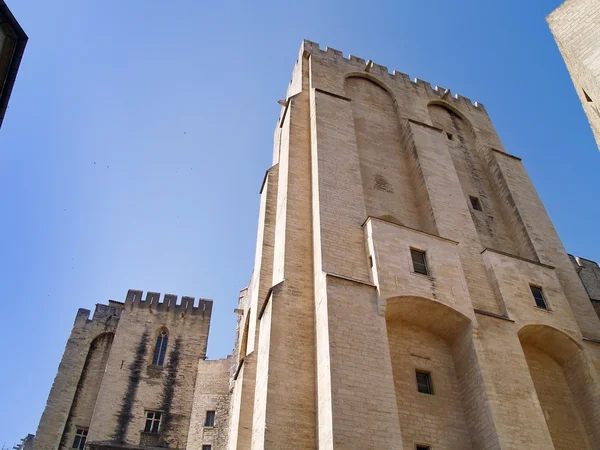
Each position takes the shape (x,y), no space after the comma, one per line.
(88,386)
(244,341)
(428,337)
(497,221)
(567,386)
(391,178)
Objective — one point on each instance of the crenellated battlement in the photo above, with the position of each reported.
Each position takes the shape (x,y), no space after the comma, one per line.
(368,66)
(101,313)
(168,303)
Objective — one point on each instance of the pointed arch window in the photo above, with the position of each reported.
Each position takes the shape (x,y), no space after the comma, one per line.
(160,349)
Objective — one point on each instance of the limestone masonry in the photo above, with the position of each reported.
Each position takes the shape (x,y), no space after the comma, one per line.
(409,292)
(576,28)
(589,272)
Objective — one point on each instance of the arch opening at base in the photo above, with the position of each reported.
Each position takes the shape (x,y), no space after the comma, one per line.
(424,336)
(564,385)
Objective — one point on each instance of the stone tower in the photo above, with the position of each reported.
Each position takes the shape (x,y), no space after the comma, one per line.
(589,272)
(127,376)
(409,289)
(576,28)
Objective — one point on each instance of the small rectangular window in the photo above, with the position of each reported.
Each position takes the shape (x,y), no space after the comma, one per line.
(206,447)
(423,447)
(210,419)
(80,438)
(449,136)
(424,382)
(538,296)
(152,421)
(419,261)
(475,204)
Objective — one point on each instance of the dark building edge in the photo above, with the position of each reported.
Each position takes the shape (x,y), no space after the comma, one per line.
(5,91)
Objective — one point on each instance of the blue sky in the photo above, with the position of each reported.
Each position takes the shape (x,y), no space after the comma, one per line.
(138,134)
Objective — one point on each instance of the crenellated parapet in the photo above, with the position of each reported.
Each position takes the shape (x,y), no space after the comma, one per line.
(167,303)
(389,77)
(103,314)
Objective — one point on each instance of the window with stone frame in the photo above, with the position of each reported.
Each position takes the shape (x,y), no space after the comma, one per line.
(475,203)
(424,384)
(160,349)
(80,438)
(210,419)
(153,419)
(538,296)
(419,261)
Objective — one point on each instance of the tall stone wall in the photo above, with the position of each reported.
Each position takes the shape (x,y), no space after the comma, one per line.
(589,273)
(71,399)
(393,165)
(86,394)
(133,385)
(369,167)
(576,28)
(107,379)
(210,394)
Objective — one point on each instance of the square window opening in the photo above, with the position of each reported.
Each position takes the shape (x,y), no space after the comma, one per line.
(210,419)
(475,203)
(80,438)
(538,296)
(206,447)
(450,136)
(424,385)
(419,261)
(153,419)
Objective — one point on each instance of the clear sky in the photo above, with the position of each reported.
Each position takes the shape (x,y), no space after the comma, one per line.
(138,134)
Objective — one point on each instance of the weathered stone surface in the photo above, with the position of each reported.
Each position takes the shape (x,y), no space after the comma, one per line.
(576,28)
(368,166)
(107,378)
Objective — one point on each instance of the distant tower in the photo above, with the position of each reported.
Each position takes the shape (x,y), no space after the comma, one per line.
(409,289)
(127,376)
(576,28)
(589,273)
(12,45)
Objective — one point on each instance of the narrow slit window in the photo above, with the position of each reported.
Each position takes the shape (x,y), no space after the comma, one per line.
(538,296)
(424,385)
(419,261)
(160,349)
(153,419)
(210,419)
(587,97)
(475,203)
(80,438)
